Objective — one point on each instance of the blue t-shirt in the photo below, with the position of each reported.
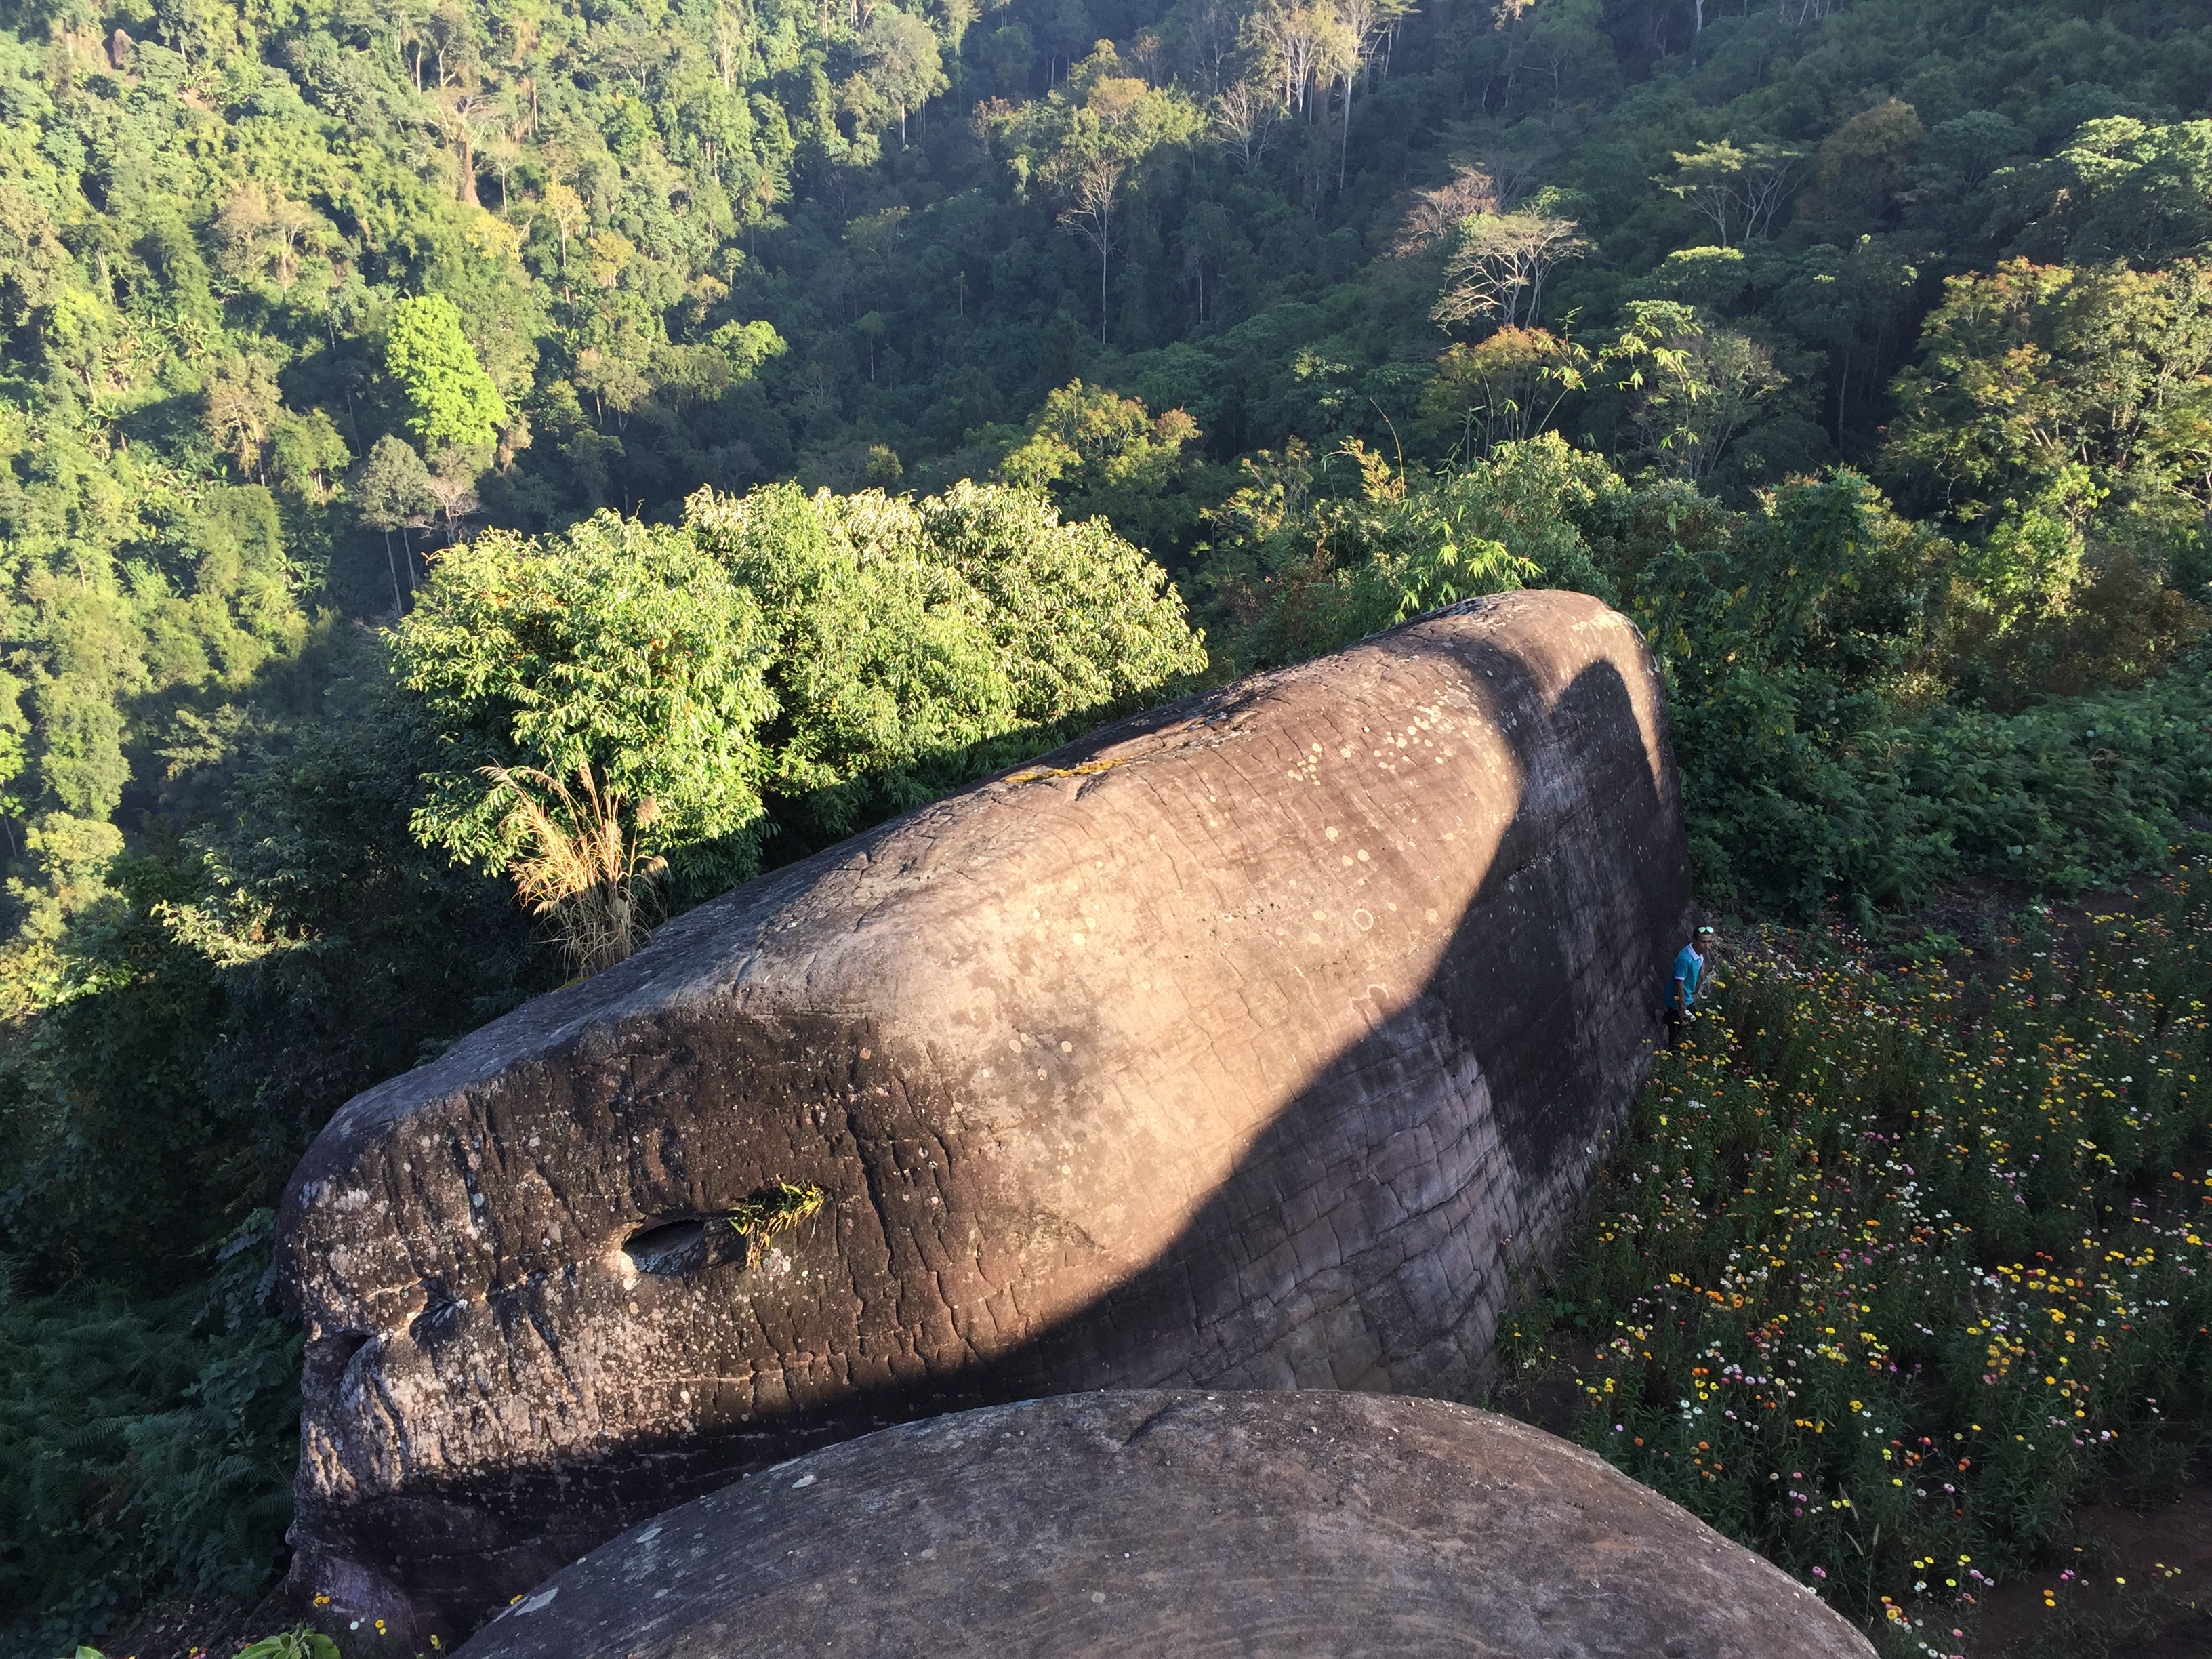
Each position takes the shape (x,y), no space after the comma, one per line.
(1689,969)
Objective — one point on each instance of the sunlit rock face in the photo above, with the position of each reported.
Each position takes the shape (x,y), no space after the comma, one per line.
(1146,1522)
(1243,1044)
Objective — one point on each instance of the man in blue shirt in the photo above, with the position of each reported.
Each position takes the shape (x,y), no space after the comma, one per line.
(1689,974)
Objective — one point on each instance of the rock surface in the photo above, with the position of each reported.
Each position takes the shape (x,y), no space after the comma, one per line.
(1245,1043)
(1146,1521)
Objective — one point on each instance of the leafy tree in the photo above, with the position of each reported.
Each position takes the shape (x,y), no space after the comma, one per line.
(241,408)
(1089,178)
(2118,188)
(1856,305)
(1084,150)
(1522,514)
(781,664)
(1364,26)
(918,644)
(618,648)
(1966,149)
(1801,647)
(1503,389)
(392,493)
(92,667)
(262,232)
(900,57)
(1301,563)
(309,454)
(451,401)
(1097,454)
(1693,387)
(2036,368)
(1862,164)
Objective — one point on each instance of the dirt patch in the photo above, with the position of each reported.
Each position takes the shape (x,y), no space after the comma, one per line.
(2138,1586)
(198,1627)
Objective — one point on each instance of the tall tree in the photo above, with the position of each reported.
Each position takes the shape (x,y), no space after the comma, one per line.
(240,407)
(1498,266)
(392,493)
(1090,178)
(1693,387)
(2034,368)
(452,402)
(1739,187)
(899,55)
(1365,26)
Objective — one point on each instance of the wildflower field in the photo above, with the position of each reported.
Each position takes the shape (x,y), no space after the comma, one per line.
(1894,1271)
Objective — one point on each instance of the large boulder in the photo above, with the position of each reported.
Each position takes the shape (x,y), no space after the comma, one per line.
(1246,1043)
(1151,1522)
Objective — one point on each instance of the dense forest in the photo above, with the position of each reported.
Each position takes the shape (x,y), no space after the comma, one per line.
(479,475)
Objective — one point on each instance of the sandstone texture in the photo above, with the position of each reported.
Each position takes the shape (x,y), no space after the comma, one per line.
(1158,1522)
(1247,1043)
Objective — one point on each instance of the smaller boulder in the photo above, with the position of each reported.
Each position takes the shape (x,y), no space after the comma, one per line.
(1173,1521)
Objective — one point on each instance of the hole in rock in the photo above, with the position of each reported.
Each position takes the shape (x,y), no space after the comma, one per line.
(684,1245)
(687,1243)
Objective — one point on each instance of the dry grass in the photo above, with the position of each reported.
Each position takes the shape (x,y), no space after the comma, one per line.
(584,873)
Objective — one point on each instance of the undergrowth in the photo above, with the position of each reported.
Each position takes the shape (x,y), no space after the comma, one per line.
(1892,1271)
(144,1444)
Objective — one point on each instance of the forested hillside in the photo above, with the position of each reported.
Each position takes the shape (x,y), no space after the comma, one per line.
(416,579)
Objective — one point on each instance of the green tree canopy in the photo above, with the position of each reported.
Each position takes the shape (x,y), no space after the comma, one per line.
(1693,387)
(2031,369)
(1096,453)
(917,644)
(900,57)
(451,402)
(619,645)
(779,663)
